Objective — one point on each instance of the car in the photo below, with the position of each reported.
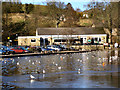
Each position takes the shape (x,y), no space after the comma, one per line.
(63,47)
(42,49)
(19,49)
(2,51)
(8,50)
(55,47)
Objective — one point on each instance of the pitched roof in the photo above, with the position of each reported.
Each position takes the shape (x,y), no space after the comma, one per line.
(70,31)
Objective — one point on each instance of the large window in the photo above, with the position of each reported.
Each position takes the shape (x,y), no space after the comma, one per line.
(96,39)
(33,40)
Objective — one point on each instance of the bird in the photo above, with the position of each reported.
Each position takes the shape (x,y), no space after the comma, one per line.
(32,77)
(43,71)
(79,71)
(56,64)
(59,68)
(53,62)
(33,63)
(29,60)
(87,58)
(18,63)
(18,57)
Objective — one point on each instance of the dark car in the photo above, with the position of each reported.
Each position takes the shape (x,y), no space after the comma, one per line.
(42,49)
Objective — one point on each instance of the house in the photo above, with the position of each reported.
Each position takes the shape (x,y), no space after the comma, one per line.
(76,35)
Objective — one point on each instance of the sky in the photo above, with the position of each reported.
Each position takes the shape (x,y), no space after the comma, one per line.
(75,4)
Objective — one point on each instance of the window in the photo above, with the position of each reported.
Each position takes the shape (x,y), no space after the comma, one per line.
(99,39)
(63,40)
(57,40)
(96,39)
(33,40)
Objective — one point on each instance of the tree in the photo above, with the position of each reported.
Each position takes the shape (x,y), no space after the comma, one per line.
(56,11)
(71,16)
(106,14)
(29,8)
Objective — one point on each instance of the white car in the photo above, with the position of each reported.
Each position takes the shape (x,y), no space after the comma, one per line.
(54,47)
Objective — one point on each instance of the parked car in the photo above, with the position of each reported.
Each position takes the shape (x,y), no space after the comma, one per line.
(42,49)
(8,50)
(63,47)
(19,49)
(55,47)
(2,51)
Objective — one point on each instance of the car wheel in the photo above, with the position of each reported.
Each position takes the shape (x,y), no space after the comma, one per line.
(7,53)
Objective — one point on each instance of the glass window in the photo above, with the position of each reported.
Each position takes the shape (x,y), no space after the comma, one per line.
(33,40)
(96,39)
(99,39)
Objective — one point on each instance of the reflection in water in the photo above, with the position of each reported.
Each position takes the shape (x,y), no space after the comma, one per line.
(77,70)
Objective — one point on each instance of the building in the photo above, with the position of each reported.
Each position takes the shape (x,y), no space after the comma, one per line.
(77,35)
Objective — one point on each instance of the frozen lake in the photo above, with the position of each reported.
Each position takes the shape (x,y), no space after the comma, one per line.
(96,69)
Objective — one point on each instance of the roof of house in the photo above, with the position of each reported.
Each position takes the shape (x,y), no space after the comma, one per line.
(70,31)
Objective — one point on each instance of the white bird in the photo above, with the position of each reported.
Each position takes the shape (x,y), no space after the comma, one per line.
(53,62)
(78,60)
(32,77)
(39,62)
(56,64)
(78,71)
(33,63)
(43,71)
(59,68)
(29,60)
(18,57)
(18,63)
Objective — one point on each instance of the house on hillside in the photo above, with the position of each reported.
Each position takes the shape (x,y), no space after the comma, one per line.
(77,35)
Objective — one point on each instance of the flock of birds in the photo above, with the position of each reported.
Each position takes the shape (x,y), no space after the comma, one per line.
(21,63)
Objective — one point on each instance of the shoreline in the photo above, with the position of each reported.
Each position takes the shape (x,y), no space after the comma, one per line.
(38,54)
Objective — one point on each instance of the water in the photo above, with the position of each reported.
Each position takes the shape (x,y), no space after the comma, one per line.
(96,69)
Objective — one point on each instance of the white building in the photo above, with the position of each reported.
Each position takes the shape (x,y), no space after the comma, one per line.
(77,35)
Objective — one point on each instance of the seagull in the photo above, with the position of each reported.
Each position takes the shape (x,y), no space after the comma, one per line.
(32,77)
(80,60)
(56,64)
(59,68)
(29,60)
(79,71)
(43,71)
(39,62)
(18,63)
(53,62)
(33,63)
